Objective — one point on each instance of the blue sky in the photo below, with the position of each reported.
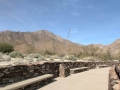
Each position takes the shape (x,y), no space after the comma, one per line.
(90,21)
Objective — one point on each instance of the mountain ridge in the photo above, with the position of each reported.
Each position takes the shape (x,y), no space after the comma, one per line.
(38,41)
(41,40)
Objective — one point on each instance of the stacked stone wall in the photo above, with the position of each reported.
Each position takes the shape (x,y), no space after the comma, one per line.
(114,81)
(10,74)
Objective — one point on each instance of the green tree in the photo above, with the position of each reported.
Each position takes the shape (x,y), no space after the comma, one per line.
(6,47)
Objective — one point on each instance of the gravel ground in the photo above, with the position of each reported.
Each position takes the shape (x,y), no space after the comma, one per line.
(94,79)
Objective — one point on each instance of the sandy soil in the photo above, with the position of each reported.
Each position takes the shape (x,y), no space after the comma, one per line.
(95,79)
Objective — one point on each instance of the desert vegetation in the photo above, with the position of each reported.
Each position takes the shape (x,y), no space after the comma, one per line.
(96,53)
(16,54)
(45,46)
(89,53)
(6,47)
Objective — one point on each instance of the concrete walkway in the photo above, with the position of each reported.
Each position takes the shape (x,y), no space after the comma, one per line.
(94,79)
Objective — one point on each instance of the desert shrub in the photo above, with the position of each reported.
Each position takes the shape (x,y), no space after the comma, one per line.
(61,59)
(47,52)
(51,59)
(61,55)
(41,58)
(16,54)
(47,56)
(36,55)
(6,47)
(28,59)
(70,57)
(30,55)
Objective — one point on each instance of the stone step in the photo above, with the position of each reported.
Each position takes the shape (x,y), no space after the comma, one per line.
(101,66)
(76,70)
(26,82)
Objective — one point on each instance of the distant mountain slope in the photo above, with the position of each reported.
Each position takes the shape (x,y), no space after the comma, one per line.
(39,41)
(114,47)
(42,40)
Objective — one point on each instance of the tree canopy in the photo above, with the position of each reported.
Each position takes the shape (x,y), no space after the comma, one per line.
(6,47)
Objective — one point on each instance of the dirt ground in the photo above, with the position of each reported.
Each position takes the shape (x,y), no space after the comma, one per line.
(94,79)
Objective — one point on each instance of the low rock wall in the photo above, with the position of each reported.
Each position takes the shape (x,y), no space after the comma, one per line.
(10,74)
(114,82)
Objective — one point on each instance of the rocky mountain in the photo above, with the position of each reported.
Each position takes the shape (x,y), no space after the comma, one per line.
(39,41)
(42,40)
(114,47)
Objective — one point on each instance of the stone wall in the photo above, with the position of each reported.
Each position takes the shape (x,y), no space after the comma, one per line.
(10,74)
(114,82)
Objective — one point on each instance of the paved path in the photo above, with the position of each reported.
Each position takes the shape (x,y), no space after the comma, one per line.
(95,79)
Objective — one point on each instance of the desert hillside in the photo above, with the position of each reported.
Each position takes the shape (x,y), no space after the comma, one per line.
(42,40)
(39,41)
